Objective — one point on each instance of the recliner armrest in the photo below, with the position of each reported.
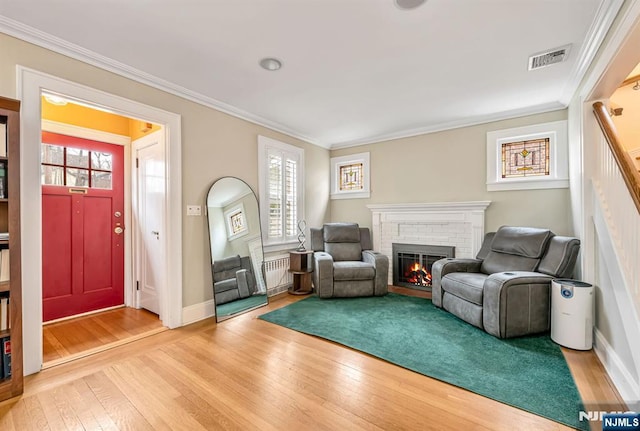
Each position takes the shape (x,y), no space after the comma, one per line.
(243,283)
(323,274)
(516,303)
(442,267)
(381,264)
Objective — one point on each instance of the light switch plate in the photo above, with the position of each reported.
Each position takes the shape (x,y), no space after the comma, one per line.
(194,210)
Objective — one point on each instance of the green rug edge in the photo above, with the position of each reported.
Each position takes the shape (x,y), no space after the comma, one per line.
(272,317)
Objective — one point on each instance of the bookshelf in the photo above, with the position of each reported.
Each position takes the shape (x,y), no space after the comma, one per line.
(10,223)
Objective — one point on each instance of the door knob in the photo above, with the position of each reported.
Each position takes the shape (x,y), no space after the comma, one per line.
(118,230)
(156,233)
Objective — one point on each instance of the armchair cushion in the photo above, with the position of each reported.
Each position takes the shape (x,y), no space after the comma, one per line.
(342,241)
(516,249)
(465,285)
(353,271)
(526,242)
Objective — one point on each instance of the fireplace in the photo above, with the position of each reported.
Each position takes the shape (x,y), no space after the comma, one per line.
(412,263)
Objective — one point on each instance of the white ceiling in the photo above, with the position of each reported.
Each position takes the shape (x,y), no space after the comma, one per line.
(355,71)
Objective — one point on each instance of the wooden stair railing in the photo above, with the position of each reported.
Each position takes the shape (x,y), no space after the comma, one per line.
(625,163)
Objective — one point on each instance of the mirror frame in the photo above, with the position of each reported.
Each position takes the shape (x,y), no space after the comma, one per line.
(260,279)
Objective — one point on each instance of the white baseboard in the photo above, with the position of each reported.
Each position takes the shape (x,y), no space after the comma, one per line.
(196,312)
(621,377)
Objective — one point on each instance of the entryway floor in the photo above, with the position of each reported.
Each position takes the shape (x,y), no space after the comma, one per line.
(75,338)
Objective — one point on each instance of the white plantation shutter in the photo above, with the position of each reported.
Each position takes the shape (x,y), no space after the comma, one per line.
(275,195)
(280,167)
(291,194)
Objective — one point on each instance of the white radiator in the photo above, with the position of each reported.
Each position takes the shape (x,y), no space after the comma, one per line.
(277,274)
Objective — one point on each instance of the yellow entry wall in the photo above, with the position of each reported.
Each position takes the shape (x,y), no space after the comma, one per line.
(82,116)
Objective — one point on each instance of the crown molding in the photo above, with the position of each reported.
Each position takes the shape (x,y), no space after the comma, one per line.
(606,14)
(53,43)
(441,127)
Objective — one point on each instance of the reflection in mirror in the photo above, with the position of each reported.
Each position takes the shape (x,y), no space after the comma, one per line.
(236,248)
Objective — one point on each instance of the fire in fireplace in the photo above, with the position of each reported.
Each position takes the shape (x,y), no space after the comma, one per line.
(412,263)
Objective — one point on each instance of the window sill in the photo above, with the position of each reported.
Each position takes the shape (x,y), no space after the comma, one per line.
(280,247)
(528,185)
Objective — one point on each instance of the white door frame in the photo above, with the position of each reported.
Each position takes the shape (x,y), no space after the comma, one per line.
(30,83)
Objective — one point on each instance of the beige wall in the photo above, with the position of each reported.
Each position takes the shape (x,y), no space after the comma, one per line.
(450,166)
(214,144)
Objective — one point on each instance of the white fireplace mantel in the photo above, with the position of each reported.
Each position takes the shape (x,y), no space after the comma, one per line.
(460,224)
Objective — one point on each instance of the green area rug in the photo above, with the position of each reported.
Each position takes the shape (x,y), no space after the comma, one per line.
(528,372)
(239,305)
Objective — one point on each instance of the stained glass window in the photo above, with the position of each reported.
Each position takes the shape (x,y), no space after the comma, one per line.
(237,222)
(525,158)
(351,177)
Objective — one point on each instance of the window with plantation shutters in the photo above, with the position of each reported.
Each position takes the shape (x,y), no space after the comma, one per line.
(280,170)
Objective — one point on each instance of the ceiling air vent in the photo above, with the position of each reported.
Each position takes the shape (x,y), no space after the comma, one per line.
(548,58)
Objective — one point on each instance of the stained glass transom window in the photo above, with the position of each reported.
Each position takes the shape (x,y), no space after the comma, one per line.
(351,177)
(525,158)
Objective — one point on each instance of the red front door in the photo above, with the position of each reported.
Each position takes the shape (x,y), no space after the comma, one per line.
(82,225)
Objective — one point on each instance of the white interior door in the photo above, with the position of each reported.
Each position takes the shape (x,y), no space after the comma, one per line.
(150,220)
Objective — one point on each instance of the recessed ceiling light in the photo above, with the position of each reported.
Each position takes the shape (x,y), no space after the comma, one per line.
(409,4)
(270,63)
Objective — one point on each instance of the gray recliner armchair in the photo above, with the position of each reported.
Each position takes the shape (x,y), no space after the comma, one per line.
(345,264)
(233,279)
(505,290)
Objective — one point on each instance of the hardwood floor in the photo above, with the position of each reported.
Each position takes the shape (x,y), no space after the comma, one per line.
(70,339)
(246,374)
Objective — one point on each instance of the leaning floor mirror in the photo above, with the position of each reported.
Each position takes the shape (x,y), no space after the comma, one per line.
(236,248)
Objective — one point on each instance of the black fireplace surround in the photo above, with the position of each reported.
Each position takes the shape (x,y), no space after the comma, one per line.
(412,263)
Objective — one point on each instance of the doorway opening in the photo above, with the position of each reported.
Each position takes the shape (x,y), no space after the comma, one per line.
(91,230)
(31,86)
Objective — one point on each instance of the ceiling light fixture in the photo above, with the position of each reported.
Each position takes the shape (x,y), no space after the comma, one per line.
(637,86)
(409,4)
(55,100)
(270,63)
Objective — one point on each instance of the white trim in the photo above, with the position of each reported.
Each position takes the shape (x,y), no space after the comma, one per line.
(559,164)
(432,206)
(30,83)
(621,292)
(56,44)
(610,53)
(196,312)
(606,14)
(85,133)
(620,376)
(337,162)
(441,127)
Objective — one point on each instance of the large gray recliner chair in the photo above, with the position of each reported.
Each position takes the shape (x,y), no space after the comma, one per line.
(505,290)
(233,279)
(345,264)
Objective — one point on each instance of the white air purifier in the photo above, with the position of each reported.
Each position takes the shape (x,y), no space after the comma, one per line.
(572,314)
